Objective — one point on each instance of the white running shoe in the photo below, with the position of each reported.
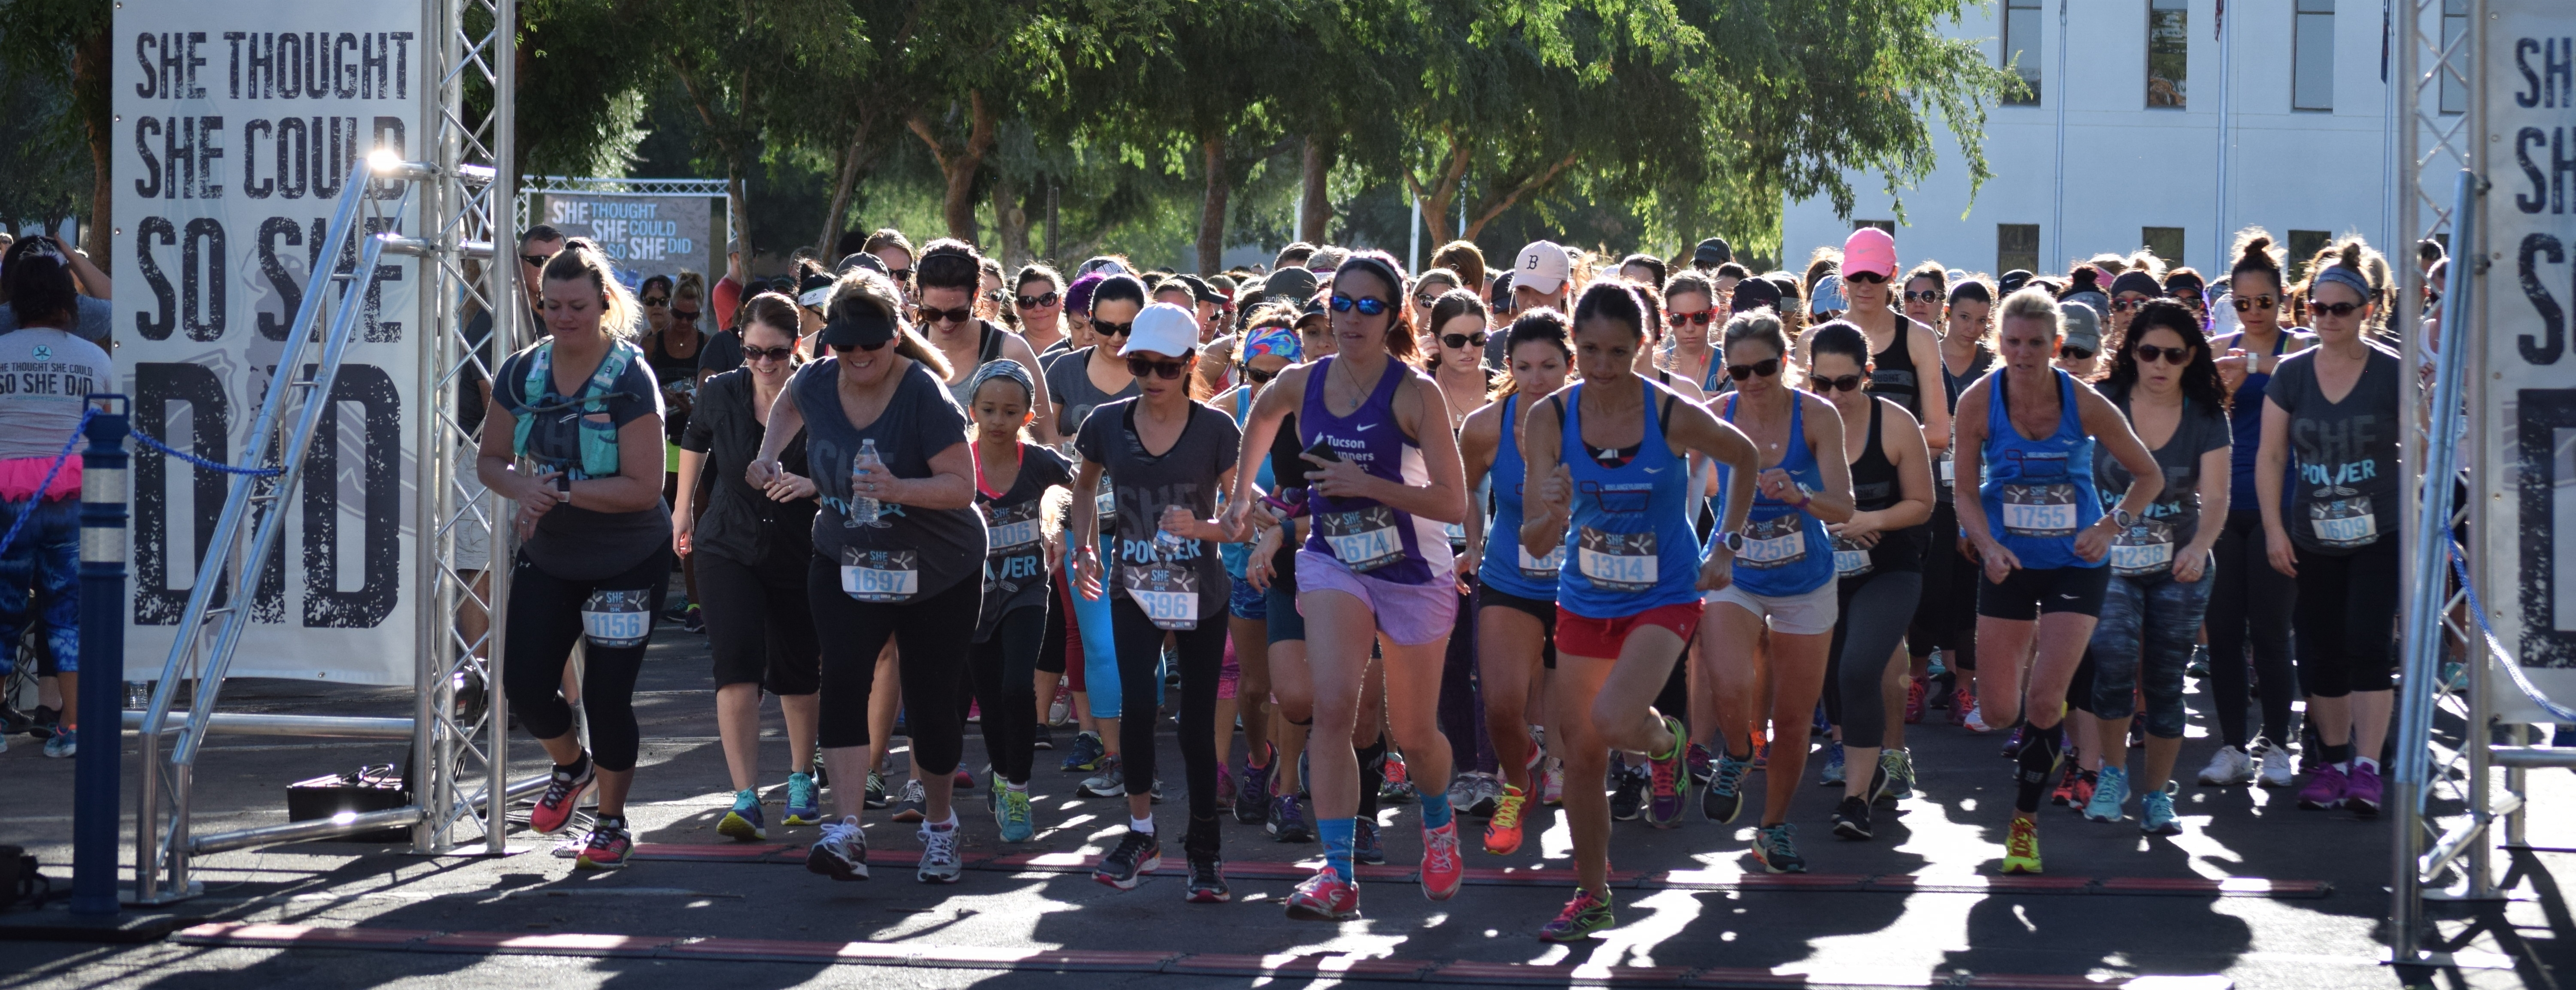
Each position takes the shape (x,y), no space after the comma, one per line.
(842,854)
(2229,767)
(939,862)
(2278,763)
(1976,720)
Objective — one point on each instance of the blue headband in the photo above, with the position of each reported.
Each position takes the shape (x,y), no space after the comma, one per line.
(2349,279)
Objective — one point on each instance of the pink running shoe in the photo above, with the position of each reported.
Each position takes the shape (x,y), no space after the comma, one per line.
(1325,897)
(1441,870)
(2327,787)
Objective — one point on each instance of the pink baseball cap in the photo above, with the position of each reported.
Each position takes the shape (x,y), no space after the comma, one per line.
(1869,249)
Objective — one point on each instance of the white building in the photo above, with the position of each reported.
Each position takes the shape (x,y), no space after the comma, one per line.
(2121,148)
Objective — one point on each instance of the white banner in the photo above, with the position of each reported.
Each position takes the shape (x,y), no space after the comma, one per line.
(236,126)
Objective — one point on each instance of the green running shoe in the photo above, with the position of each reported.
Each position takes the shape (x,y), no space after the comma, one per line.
(1583,916)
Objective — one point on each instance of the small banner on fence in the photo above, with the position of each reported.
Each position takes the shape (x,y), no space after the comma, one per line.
(644,235)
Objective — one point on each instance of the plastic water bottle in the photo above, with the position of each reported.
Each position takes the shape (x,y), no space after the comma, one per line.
(863,511)
(1166,543)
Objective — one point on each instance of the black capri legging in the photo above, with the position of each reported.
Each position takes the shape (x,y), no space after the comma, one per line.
(925,633)
(2249,617)
(1005,671)
(545,622)
(2346,619)
(1201,657)
(1945,613)
(760,627)
(1875,610)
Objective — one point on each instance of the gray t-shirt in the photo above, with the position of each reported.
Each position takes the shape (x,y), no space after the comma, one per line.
(2343,495)
(1068,382)
(914,552)
(46,376)
(1177,583)
(2148,548)
(94,319)
(571,542)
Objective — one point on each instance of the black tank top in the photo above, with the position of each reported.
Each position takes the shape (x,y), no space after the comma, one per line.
(1980,362)
(1874,487)
(1892,371)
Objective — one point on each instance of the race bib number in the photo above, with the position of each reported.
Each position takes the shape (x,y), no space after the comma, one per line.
(1362,539)
(1949,468)
(880,575)
(1851,560)
(1009,528)
(1457,534)
(1775,542)
(2344,523)
(1541,568)
(2143,550)
(2039,511)
(1622,562)
(617,619)
(1105,504)
(1167,592)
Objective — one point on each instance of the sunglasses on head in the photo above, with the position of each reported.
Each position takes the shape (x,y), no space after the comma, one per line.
(2073,353)
(770,353)
(1038,302)
(1258,376)
(1107,329)
(1462,340)
(2176,356)
(959,315)
(1766,368)
(2246,303)
(1844,383)
(2337,310)
(1366,306)
(1927,295)
(1865,278)
(1703,318)
(1166,370)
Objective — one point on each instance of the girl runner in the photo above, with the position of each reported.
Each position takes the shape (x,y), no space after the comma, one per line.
(2045,562)
(1015,483)
(1693,309)
(896,551)
(1607,458)
(1385,476)
(581,406)
(1945,618)
(1270,345)
(1516,595)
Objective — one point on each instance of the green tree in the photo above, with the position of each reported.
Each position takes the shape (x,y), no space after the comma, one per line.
(65,44)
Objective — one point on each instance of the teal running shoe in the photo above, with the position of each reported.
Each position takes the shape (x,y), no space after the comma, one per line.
(743,823)
(804,801)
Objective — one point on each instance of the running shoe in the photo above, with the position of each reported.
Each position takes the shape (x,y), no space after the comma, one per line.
(2021,848)
(1018,824)
(1060,711)
(1551,784)
(47,721)
(1088,752)
(1851,818)
(608,846)
(1668,782)
(693,620)
(1396,787)
(842,852)
(1962,705)
(1725,797)
(1776,847)
(1503,831)
(2012,743)
(2156,812)
(804,801)
(2084,785)
(2361,790)
(2228,767)
(2276,764)
(875,795)
(1466,791)
(2109,794)
(1111,781)
(1224,787)
(1832,774)
(963,780)
(1627,790)
(1044,739)
(822,774)
(939,861)
(1324,897)
(1207,881)
(915,804)
(743,823)
(564,793)
(1288,820)
(64,744)
(1441,870)
(1252,800)
(1701,764)
(2327,787)
(1914,688)
(1583,916)
(2064,793)
(1819,726)
(1896,770)
(1138,854)
(1365,847)
(1975,719)
(2199,668)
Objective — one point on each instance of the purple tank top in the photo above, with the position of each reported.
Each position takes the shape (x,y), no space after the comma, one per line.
(1366,535)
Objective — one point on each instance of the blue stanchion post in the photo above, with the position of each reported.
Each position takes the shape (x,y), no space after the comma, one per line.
(96,799)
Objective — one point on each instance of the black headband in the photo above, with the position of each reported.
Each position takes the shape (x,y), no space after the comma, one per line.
(1973,291)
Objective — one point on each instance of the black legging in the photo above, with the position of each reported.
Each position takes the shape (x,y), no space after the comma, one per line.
(1945,615)
(2347,618)
(1462,706)
(925,634)
(1201,656)
(1874,616)
(2250,605)
(1005,672)
(545,622)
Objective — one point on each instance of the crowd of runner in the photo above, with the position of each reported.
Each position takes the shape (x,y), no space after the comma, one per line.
(1617,537)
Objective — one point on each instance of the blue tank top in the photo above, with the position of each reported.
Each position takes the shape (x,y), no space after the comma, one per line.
(1236,555)
(1366,535)
(1633,545)
(1508,566)
(1786,551)
(2039,493)
(2245,423)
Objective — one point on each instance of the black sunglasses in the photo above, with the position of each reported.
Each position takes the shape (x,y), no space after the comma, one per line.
(1864,278)
(2073,353)
(2337,310)
(534,260)
(770,353)
(684,316)
(657,300)
(959,315)
(1038,302)
(1166,370)
(1107,329)
(2128,304)
(1258,376)
(1927,295)
(2176,356)
(1476,339)
(1766,368)
(1845,383)
(900,275)
(2246,303)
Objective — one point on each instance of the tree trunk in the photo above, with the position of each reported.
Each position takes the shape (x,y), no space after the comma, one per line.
(1511,194)
(1443,191)
(91,74)
(1316,206)
(1010,224)
(853,161)
(959,164)
(1212,209)
(1052,226)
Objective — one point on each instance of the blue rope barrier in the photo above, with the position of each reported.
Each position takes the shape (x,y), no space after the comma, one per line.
(33,502)
(2512,669)
(147,440)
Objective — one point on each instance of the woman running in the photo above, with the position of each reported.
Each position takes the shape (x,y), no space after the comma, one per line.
(2335,405)
(2163,380)
(1927,287)
(1878,564)
(1945,619)
(1078,383)
(1273,568)
(582,408)
(1377,568)
(752,546)
(1905,352)
(1015,484)
(1457,346)
(1775,623)
(1172,456)
(2250,605)
(1606,468)
(2028,429)
(1516,593)
(897,548)
(1693,309)
(1270,345)
(949,274)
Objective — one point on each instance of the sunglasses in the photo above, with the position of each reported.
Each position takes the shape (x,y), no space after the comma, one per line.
(1427,299)
(2176,356)
(1038,302)
(2244,304)
(1462,340)
(2128,303)
(657,300)
(878,346)
(1865,278)
(900,275)
(1845,383)
(1367,307)
(959,315)
(1927,295)
(1258,376)
(684,316)
(2075,353)
(1107,329)
(1166,370)
(2337,310)
(1703,318)
(770,353)
(533,260)
(1766,368)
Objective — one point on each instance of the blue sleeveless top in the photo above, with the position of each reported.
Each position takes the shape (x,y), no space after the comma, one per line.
(1508,566)
(2039,493)
(1366,535)
(1236,555)
(1633,545)
(1786,551)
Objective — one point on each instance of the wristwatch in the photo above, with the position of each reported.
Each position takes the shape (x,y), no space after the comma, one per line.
(1732,541)
(2121,518)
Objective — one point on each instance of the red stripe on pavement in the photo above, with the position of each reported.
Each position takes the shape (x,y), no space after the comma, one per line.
(1298,967)
(708,853)
(547,944)
(281,935)
(1557,975)
(777,950)
(1050,960)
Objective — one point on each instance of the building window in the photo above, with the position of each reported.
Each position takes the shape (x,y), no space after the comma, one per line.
(2312,56)
(2168,53)
(2455,22)
(2021,47)
(2304,245)
(1887,225)
(2165,242)
(2016,247)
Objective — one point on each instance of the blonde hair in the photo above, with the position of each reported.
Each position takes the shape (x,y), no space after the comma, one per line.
(621,317)
(689,283)
(863,287)
(2144,260)
(2033,304)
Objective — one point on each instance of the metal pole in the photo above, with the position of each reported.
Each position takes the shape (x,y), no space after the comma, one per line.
(502,541)
(2057,222)
(2218,234)
(1413,261)
(95,814)
(432,753)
